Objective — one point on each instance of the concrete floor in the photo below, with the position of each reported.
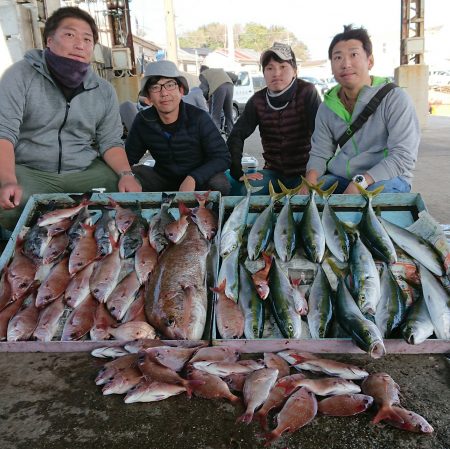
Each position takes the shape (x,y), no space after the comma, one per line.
(50,401)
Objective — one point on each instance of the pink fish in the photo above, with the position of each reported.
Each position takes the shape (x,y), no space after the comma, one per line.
(174,357)
(345,404)
(136,310)
(22,325)
(410,421)
(78,288)
(205,218)
(132,330)
(176,230)
(145,260)
(261,278)
(56,247)
(54,284)
(58,215)
(299,410)
(102,321)
(148,390)
(49,320)
(124,217)
(85,250)
(229,317)
(123,295)
(81,320)
(6,314)
(122,381)
(21,273)
(273,360)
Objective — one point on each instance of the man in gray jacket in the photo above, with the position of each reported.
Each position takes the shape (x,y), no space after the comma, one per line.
(218,88)
(384,150)
(60,128)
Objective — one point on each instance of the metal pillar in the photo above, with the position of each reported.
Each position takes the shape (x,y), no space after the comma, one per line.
(412,32)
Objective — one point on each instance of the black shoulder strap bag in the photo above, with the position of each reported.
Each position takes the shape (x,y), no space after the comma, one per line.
(365,113)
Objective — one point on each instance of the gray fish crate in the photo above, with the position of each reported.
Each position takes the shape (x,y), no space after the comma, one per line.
(149,203)
(402,209)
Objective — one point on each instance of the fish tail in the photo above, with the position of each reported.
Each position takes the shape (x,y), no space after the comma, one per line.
(220,288)
(327,193)
(289,192)
(251,189)
(167,198)
(387,412)
(202,198)
(270,437)
(112,203)
(262,419)
(246,418)
(367,194)
(184,210)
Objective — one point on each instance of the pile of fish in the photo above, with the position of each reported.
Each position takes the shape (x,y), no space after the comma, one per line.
(123,277)
(260,260)
(146,373)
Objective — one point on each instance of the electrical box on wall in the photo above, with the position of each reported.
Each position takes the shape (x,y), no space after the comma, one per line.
(121,58)
(414,46)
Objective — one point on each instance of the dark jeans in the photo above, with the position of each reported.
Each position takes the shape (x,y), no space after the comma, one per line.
(153,182)
(394,185)
(222,98)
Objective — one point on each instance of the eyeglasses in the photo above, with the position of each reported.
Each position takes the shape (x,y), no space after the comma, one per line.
(170,85)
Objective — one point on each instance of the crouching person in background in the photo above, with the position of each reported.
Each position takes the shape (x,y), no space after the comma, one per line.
(187,147)
(52,108)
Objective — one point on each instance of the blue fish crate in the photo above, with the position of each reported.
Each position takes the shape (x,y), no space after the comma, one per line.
(402,209)
(149,204)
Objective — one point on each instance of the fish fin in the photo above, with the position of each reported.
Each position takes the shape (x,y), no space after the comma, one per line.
(184,210)
(220,288)
(327,193)
(251,189)
(387,413)
(246,418)
(167,198)
(202,198)
(83,198)
(289,192)
(369,195)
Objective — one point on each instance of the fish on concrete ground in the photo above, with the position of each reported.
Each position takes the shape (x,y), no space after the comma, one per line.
(437,301)
(123,381)
(282,389)
(273,360)
(111,368)
(229,317)
(108,352)
(54,284)
(204,217)
(329,386)
(49,320)
(292,356)
(148,390)
(223,369)
(385,393)
(235,381)
(173,357)
(153,370)
(257,387)
(331,368)
(215,354)
(345,404)
(213,387)
(299,410)
(81,320)
(410,421)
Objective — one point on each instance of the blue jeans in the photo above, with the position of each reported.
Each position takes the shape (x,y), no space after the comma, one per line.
(238,188)
(395,185)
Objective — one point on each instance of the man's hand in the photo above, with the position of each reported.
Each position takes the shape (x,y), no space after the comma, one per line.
(10,195)
(257,176)
(188,185)
(129,184)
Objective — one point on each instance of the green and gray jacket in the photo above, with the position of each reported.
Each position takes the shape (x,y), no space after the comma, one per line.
(385,147)
(48,132)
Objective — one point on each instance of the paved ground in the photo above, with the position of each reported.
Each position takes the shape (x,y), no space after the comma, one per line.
(50,401)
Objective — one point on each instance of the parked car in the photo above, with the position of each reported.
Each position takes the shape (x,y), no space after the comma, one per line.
(322,88)
(246,85)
